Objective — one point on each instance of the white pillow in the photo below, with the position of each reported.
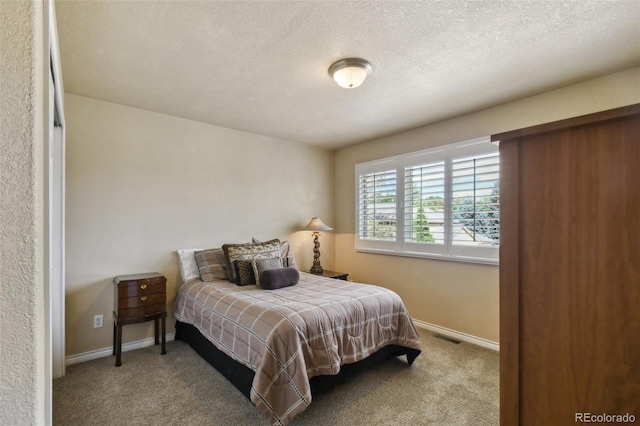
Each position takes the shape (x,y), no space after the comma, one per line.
(188,266)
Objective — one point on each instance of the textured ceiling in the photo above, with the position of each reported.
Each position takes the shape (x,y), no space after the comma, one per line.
(261,67)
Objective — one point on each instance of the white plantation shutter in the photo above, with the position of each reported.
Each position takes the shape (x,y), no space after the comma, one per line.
(441,202)
(377,204)
(475,194)
(424,203)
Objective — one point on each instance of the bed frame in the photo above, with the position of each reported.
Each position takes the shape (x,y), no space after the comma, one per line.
(241,376)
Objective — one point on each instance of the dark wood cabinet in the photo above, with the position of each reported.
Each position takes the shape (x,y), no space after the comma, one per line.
(570,269)
(139,298)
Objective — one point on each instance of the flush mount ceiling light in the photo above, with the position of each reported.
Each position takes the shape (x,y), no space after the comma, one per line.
(351,72)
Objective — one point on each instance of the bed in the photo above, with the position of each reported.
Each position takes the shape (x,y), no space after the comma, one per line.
(273,344)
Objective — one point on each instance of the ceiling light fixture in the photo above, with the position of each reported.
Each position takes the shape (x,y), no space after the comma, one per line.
(351,72)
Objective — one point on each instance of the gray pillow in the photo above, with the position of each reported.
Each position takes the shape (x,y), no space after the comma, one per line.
(260,265)
(273,279)
(287,255)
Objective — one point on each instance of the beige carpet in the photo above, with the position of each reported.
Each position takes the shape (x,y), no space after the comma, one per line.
(448,384)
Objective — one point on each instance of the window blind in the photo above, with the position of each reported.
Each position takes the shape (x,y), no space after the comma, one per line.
(424,203)
(377,205)
(441,202)
(475,200)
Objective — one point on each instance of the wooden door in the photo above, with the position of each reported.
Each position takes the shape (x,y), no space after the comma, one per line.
(570,271)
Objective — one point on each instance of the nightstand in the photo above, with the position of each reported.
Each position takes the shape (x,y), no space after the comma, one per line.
(333,274)
(139,298)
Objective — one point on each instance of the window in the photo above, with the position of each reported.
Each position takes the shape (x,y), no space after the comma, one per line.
(442,202)
(378,201)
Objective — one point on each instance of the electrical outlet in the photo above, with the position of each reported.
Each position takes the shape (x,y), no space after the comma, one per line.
(98,321)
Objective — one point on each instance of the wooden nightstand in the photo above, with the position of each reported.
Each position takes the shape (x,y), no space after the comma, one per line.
(333,274)
(139,298)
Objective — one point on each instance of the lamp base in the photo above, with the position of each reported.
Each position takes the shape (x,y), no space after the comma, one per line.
(316,270)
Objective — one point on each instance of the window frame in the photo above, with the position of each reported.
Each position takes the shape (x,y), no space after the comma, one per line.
(401,163)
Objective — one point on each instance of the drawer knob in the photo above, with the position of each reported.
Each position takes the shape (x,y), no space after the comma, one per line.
(143,298)
(143,286)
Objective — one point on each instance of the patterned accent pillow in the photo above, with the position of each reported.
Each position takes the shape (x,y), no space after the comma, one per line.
(212,264)
(285,253)
(244,272)
(259,265)
(233,252)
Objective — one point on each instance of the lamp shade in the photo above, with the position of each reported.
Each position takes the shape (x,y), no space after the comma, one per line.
(317,225)
(350,73)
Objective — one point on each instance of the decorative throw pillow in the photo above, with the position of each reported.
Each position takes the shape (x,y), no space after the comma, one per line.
(273,279)
(211,264)
(244,272)
(188,265)
(233,252)
(285,253)
(260,265)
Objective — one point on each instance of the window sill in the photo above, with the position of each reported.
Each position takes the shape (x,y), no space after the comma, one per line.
(463,259)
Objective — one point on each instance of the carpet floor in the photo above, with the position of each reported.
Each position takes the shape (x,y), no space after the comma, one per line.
(448,384)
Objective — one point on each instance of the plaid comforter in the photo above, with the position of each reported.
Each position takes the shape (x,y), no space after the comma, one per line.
(292,334)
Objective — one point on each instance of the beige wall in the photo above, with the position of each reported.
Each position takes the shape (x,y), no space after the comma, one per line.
(141,185)
(25,387)
(459,296)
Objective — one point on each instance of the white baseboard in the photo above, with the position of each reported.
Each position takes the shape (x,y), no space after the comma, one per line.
(149,341)
(101,353)
(479,341)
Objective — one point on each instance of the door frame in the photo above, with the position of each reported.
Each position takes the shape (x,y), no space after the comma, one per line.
(56,201)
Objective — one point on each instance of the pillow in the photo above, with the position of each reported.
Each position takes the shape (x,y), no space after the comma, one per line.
(244,272)
(273,279)
(260,265)
(233,252)
(188,265)
(285,253)
(212,264)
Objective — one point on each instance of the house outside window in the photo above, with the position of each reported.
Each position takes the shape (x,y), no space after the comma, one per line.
(442,202)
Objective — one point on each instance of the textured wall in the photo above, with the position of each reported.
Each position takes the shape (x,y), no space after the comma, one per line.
(460,296)
(141,185)
(21,286)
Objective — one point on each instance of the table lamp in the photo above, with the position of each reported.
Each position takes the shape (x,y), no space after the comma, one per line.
(316,225)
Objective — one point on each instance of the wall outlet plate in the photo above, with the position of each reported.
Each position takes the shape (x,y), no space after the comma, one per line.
(98,321)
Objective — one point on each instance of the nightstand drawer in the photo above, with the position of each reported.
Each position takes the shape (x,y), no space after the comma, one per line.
(141,311)
(132,302)
(140,288)
(139,298)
